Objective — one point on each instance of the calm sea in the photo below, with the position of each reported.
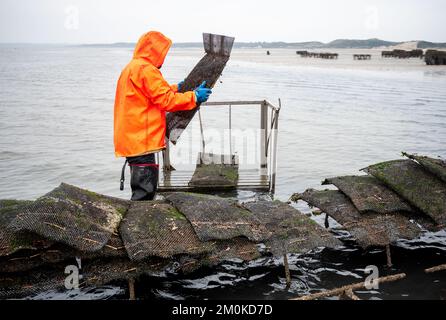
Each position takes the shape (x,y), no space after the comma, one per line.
(56,125)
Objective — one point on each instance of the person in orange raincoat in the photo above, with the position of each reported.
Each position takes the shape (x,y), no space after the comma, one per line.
(142,99)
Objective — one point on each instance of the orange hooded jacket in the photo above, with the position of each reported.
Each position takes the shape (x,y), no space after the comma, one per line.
(143,97)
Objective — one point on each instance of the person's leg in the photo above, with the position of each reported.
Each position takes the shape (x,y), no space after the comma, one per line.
(144,177)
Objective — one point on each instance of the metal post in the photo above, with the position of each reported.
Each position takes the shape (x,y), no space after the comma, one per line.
(274,148)
(230,133)
(268,149)
(158,163)
(263,137)
(166,158)
(203,143)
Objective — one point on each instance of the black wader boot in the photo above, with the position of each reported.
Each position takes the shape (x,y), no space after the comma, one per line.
(144,177)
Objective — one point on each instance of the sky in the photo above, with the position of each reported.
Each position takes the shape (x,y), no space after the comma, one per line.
(110,21)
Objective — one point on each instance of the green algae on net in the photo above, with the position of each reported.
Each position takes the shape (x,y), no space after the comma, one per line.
(370,229)
(400,199)
(435,166)
(422,189)
(368,194)
(119,239)
(215,171)
(210,175)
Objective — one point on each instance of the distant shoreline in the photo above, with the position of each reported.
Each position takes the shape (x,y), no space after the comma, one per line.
(336,44)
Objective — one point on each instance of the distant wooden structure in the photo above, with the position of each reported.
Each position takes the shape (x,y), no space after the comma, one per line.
(320,55)
(403,54)
(362,57)
(435,57)
(328,56)
(387,54)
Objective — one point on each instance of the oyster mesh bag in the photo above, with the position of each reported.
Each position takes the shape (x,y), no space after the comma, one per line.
(415,184)
(215,218)
(368,194)
(158,229)
(369,229)
(435,166)
(11,240)
(289,230)
(79,218)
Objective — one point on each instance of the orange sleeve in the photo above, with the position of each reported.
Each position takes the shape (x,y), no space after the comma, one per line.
(174,87)
(161,94)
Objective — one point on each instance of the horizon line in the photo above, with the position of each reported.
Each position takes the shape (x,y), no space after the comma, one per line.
(197,42)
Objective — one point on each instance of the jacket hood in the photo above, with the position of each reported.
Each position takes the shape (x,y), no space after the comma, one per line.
(153,46)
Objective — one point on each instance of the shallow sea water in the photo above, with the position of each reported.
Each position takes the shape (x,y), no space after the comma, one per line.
(56,112)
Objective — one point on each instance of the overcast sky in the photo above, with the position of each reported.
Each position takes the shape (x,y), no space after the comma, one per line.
(109,21)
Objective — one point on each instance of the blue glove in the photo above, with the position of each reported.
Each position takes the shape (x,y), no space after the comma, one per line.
(180,84)
(202,93)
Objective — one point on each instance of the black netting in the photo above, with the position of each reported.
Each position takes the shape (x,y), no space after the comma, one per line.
(114,248)
(226,250)
(368,229)
(416,185)
(79,218)
(158,229)
(368,194)
(101,272)
(95,272)
(215,218)
(25,260)
(12,241)
(290,231)
(24,284)
(184,233)
(237,248)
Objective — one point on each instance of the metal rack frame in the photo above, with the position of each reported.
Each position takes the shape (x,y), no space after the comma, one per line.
(262,179)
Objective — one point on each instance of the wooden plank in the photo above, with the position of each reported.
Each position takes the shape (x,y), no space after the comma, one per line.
(356,286)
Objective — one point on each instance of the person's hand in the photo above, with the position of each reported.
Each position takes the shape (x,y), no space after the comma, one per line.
(180,84)
(202,93)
